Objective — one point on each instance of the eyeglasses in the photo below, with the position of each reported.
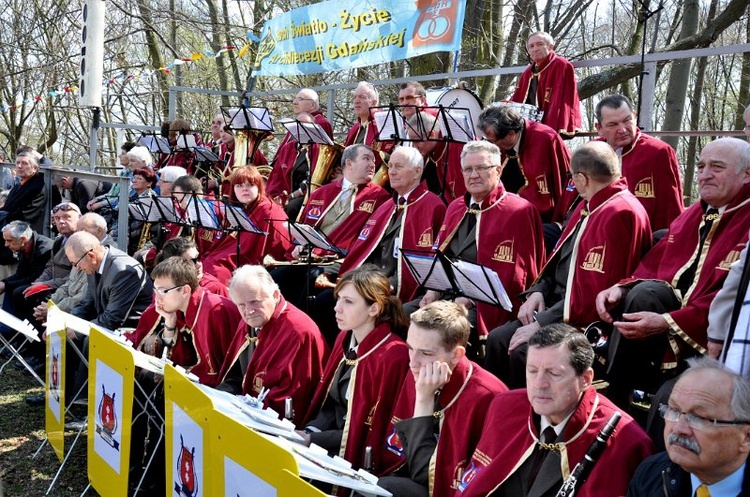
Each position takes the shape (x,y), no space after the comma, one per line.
(299,99)
(65,207)
(696,421)
(408,98)
(75,266)
(163,291)
(468,171)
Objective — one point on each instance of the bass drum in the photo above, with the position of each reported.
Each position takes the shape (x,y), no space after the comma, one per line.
(460,98)
(527,111)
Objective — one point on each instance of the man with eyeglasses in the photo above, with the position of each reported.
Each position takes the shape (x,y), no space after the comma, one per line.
(660,312)
(535,161)
(707,437)
(603,242)
(495,229)
(649,164)
(195,326)
(533,438)
(412,97)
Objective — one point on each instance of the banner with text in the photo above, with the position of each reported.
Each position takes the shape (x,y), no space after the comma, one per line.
(345,34)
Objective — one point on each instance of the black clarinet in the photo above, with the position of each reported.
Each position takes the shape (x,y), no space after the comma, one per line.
(583,469)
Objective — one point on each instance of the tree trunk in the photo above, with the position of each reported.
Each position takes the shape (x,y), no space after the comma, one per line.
(744,95)
(679,76)
(154,55)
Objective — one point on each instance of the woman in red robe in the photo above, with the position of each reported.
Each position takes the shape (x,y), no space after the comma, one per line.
(354,402)
(235,248)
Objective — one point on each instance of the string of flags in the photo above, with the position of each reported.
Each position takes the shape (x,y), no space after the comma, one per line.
(69,90)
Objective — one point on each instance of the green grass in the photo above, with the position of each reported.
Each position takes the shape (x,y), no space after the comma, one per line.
(21,434)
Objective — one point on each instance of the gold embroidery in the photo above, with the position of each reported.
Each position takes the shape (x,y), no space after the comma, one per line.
(425,239)
(645,188)
(594,260)
(258,382)
(367,206)
(541,184)
(371,414)
(731,258)
(504,252)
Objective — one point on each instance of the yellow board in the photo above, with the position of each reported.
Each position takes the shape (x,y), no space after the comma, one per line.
(250,464)
(111,378)
(188,451)
(54,391)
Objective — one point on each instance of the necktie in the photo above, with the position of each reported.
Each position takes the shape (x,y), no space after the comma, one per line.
(252,337)
(401,202)
(512,176)
(686,278)
(702,491)
(472,221)
(548,436)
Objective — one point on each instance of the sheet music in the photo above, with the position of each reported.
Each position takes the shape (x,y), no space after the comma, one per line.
(186,141)
(306,133)
(155,143)
(238,218)
(420,266)
(163,211)
(305,234)
(138,210)
(205,154)
(459,125)
(387,130)
(202,213)
(473,281)
(23,327)
(255,118)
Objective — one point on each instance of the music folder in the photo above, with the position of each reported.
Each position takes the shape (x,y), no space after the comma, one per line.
(306,133)
(436,271)
(304,234)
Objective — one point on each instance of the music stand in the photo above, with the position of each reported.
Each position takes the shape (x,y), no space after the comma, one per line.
(439,272)
(154,143)
(392,126)
(239,221)
(186,141)
(202,213)
(244,118)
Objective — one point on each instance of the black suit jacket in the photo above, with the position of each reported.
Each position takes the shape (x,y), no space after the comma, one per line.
(26,203)
(118,296)
(32,265)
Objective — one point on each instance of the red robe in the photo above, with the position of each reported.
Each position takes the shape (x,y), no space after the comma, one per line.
(672,256)
(383,360)
(225,168)
(449,173)
(288,359)
(653,175)
(369,197)
(615,235)
(507,442)
(422,217)
(509,241)
(468,397)
(267,216)
(556,94)
(544,160)
(381,149)
(205,333)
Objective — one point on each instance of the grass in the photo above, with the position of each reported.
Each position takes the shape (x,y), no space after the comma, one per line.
(21,434)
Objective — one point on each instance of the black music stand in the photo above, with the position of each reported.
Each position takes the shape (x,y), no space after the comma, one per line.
(239,221)
(439,272)
(392,126)
(306,133)
(154,143)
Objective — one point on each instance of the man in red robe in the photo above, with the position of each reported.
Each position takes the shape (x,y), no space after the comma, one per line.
(442,159)
(533,438)
(602,243)
(195,326)
(549,84)
(535,162)
(291,156)
(440,411)
(338,210)
(649,165)
(277,347)
(493,228)
(660,314)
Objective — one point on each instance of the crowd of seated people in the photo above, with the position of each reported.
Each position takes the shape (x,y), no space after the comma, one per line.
(411,381)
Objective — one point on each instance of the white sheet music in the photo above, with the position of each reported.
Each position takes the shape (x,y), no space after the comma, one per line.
(475,284)
(421,264)
(186,141)
(304,234)
(387,130)
(238,218)
(306,132)
(459,125)
(202,212)
(138,210)
(256,118)
(155,143)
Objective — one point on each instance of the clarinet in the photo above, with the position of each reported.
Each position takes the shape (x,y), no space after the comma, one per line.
(583,469)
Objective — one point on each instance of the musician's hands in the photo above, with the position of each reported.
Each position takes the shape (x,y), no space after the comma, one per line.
(463,301)
(432,377)
(640,325)
(714,349)
(522,335)
(298,251)
(534,303)
(429,297)
(608,300)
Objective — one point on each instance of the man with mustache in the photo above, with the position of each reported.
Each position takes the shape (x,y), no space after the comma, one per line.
(707,434)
